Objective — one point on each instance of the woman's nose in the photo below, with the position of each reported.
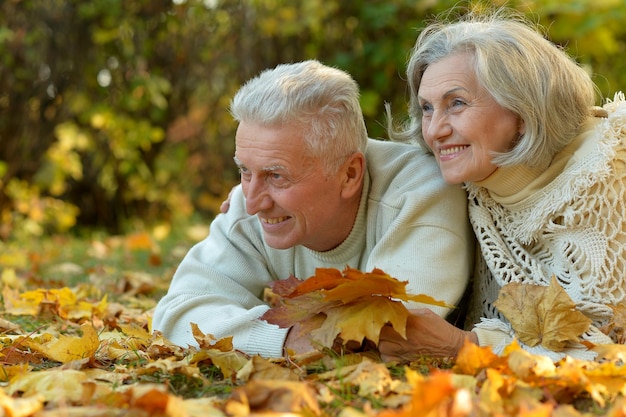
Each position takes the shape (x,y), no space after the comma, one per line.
(438,126)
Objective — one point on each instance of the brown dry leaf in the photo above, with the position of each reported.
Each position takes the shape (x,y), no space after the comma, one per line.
(616,328)
(355,305)
(263,396)
(208,341)
(290,311)
(261,368)
(7,327)
(543,315)
(373,379)
(220,352)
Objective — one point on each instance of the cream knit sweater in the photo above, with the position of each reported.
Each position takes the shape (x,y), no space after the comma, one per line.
(568,221)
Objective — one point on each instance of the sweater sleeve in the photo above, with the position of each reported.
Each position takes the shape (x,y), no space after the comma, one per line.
(219,286)
(422,226)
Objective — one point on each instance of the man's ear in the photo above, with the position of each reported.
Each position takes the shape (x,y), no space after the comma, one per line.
(353,172)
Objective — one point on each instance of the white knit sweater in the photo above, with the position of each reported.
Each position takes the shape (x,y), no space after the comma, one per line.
(568,221)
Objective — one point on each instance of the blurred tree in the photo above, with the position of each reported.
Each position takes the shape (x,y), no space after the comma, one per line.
(116,110)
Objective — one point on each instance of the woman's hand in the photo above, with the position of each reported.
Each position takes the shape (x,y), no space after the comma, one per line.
(226,203)
(426,334)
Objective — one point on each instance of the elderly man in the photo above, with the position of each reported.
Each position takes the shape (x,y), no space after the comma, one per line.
(315,192)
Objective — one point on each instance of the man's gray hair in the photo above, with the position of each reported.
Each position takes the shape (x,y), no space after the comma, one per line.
(322,99)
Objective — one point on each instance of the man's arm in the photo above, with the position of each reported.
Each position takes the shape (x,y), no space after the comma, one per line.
(219,286)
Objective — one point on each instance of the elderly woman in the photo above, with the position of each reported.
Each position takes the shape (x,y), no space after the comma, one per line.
(510,115)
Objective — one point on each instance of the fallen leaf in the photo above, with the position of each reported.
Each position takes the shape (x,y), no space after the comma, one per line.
(616,328)
(259,396)
(613,353)
(55,386)
(72,348)
(543,315)
(473,359)
(17,407)
(431,396)
(261,368)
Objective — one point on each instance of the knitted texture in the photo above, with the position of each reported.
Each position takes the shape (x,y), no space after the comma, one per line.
(574,228)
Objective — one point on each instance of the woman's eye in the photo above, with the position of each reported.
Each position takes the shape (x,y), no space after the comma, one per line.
(457,102)
(426,108)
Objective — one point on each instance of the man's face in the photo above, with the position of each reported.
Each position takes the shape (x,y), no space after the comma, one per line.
(296,202)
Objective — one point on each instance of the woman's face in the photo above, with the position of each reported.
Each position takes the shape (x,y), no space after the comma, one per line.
(461,122)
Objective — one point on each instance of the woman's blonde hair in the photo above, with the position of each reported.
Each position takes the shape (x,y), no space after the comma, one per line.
(523,72)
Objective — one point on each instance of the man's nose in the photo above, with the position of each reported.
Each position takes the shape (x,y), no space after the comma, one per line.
(257,196)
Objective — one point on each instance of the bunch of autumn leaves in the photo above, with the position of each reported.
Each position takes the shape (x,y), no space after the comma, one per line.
(354,306)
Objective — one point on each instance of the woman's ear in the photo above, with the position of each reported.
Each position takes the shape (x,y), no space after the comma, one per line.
(353,172)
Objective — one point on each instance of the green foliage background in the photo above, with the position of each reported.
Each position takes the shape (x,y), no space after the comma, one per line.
(115,111)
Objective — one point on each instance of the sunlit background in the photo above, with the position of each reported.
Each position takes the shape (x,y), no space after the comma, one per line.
(113,113)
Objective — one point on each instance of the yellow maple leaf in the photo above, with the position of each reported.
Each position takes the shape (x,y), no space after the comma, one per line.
(543,315)
(71,348)
(361,320)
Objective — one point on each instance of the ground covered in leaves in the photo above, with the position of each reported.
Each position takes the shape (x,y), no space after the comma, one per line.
(75,341)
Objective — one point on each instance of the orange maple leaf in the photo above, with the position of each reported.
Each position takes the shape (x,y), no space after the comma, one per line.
(473,359)
(353,305)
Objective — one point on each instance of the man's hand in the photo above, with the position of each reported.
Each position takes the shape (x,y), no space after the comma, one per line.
(426,334)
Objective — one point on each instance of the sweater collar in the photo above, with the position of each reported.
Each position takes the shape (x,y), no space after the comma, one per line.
(508,181)
(510,185)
